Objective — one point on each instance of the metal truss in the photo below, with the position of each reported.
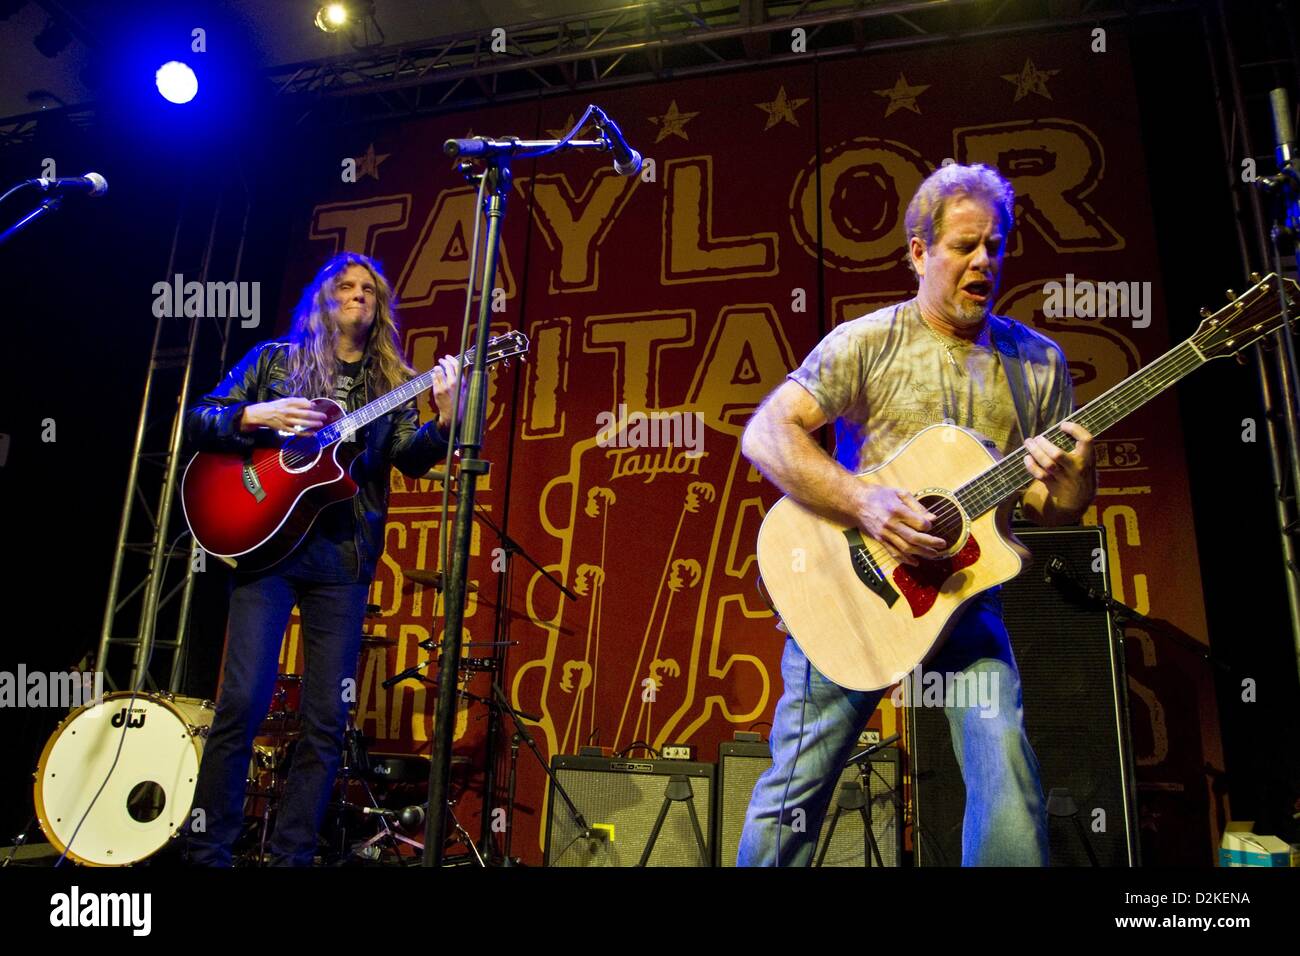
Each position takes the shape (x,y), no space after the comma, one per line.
(657,40)
(636,42)
(15,130)
(1251,49)
(151,587)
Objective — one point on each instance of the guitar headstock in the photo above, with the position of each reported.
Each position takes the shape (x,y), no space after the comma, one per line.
(502,348)
(1247,318)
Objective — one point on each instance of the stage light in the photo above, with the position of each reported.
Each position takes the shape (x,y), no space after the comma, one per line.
(333,17)
(353,17)
(176,82)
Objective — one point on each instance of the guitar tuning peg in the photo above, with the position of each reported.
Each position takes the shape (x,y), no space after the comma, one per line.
(1231,295)
(1205,312)
(1255,277)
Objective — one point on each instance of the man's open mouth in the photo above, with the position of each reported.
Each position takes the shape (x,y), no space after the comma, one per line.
(979,291)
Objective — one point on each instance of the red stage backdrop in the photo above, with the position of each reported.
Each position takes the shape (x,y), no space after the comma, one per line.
(770,210)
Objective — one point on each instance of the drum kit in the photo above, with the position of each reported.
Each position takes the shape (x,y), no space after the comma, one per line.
(106,797)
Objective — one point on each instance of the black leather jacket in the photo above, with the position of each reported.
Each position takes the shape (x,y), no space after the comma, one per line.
(397,438)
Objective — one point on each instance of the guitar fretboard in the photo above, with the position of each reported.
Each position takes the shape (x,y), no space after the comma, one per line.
(353,422)
(1000,481)
(500,347)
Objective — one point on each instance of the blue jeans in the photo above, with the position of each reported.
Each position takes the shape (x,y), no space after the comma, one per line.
(332,613)
(1005,822)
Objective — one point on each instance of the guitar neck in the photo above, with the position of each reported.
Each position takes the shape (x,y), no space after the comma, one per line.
(381,406)
(500,348)
(1004,479)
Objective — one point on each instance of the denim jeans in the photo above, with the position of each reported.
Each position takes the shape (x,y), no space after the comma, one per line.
(332,612)
(1005,823)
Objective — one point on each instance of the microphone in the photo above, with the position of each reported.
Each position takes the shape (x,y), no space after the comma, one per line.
(92,183)
(1285,183)
(411,818)
(864,755)
(627,161)
(1284,147)
(408,818)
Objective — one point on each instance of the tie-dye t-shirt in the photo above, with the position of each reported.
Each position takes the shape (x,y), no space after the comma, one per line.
(883,377)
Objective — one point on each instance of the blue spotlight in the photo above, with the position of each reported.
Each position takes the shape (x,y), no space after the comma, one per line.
(176,82)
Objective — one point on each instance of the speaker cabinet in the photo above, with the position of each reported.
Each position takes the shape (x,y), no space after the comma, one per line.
(621,799)
(740,764)
(1074,695)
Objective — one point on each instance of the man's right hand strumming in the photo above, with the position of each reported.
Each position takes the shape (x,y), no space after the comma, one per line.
(779,443)
(899,522)
(284,415)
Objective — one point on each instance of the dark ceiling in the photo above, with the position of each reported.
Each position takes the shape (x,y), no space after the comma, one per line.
(275,32)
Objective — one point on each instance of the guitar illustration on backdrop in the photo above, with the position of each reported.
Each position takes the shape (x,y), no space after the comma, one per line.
(252,508)
(863,619)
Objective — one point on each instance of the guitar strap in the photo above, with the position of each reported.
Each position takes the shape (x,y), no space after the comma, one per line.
(1004,340)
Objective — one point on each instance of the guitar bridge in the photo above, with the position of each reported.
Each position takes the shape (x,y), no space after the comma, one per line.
(252,483)
(867,570)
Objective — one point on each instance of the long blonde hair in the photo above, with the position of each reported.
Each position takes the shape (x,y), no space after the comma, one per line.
(315,332)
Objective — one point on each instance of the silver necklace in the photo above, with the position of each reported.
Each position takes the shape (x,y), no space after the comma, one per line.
(949,345)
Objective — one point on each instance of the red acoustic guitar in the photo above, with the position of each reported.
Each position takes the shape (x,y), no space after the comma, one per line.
(251,509)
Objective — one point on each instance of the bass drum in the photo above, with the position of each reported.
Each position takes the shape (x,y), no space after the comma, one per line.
(147,797)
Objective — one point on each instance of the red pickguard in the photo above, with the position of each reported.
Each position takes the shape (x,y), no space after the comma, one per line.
(921,584)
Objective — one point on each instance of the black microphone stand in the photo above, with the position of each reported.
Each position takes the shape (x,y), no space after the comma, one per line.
(48,205)
(859,798)
(493,178)
(496,184)
(501,647)
(496,665)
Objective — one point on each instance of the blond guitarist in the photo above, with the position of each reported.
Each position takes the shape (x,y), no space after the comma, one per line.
(881,379)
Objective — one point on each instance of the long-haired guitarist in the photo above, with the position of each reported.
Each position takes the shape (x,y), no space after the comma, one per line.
(344,345)
(881,379)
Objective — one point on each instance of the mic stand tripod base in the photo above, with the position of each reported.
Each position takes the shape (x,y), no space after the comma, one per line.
(679,791)
(853,796)
(387,833)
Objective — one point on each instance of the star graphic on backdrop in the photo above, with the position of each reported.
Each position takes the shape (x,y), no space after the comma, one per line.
(1030,79)
(902,97)
(781,109)
(368,162)
(672,123)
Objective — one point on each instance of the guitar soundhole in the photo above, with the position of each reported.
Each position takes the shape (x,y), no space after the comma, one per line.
(949,523)
(299,454)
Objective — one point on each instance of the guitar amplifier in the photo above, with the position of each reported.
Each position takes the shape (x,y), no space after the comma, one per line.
(621,799)
(1075,709)
(741,763)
